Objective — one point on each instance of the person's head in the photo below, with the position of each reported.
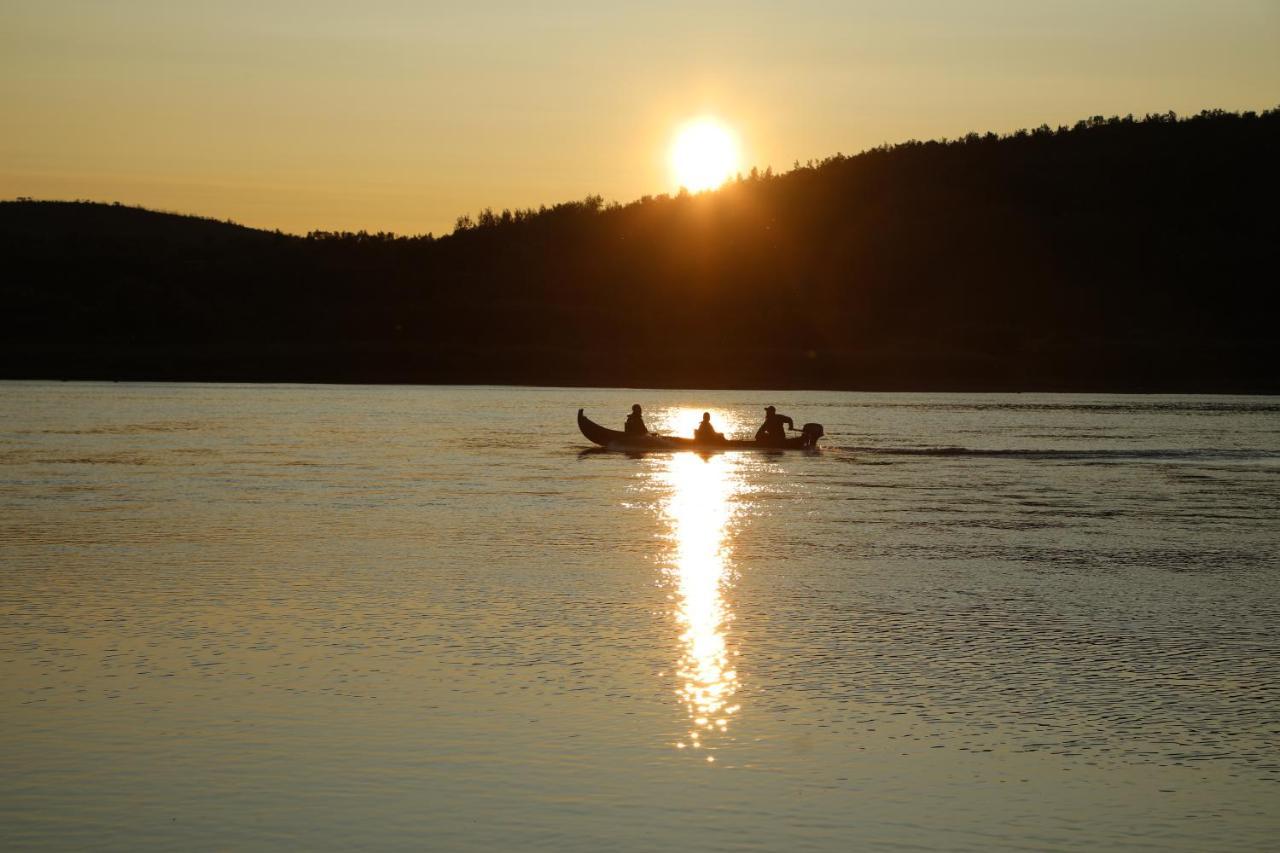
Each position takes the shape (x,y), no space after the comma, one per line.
(635,408)
(706,417)
(769,410)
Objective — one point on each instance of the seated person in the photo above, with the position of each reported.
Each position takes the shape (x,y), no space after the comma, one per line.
(635,423)
(772,430)
(705,433)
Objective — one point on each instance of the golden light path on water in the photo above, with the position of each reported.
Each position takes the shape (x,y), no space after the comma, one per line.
(699,510)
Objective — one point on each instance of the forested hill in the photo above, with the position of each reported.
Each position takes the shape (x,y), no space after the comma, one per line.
(1119,254)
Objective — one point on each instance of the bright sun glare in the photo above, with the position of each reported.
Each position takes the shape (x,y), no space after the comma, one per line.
(704,155)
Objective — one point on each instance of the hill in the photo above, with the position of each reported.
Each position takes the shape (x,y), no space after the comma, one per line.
(1116,254)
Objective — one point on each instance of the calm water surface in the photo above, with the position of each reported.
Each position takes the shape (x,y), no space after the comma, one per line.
(396,617)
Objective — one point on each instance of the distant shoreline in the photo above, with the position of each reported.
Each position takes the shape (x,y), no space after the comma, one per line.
(1149,392)
(1116,255)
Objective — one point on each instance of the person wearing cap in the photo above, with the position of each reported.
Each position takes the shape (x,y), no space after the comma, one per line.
(635,423)
(705,433)
(772,430)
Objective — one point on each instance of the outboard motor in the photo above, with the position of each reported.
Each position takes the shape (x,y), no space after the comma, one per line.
(810,435)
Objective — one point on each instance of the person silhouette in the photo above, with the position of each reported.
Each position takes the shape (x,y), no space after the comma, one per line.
(772,430)
(635,422)
(705,433)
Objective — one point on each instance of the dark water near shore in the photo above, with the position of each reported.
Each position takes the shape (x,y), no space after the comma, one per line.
(423,618)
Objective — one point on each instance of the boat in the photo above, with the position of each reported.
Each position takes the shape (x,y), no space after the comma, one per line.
(614,439)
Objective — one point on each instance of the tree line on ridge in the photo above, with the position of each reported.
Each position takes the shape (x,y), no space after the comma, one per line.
(1114,254)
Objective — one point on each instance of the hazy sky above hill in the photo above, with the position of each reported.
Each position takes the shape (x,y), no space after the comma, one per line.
(400,115)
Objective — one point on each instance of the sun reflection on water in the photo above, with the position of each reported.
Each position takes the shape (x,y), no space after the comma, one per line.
(699,510)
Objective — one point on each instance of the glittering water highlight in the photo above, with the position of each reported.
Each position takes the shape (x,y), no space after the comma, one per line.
(323,617)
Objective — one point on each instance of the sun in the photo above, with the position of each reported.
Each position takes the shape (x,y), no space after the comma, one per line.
(704,154)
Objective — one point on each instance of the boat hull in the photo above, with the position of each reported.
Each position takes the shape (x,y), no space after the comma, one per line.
(617,440)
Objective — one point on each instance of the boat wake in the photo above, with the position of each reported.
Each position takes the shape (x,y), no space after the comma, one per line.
(1069,455)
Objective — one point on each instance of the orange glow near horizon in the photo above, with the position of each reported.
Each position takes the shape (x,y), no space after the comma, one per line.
(704,154)
(405,117)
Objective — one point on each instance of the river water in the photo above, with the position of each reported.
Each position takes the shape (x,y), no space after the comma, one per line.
(424,618)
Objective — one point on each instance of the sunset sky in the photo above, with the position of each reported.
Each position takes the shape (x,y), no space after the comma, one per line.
(402,115)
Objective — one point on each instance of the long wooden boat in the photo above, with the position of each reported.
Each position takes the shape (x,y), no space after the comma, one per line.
(617,440)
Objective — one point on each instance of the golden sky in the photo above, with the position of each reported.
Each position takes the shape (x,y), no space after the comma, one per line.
(399,115)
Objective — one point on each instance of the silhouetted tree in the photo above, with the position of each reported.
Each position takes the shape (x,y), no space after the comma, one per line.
(1115,253)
